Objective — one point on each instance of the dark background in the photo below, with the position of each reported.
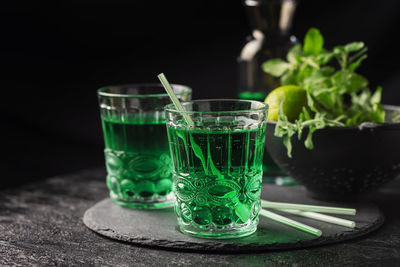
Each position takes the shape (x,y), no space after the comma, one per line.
(54,57)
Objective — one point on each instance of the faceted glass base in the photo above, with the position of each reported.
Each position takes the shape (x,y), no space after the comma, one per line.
(160,203)
(225,232)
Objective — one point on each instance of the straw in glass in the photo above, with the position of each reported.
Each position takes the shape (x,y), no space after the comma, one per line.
(322,217)
(167,86)
(278,218)
(323,209)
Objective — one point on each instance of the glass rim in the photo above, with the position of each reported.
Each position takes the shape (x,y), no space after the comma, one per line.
(172,109)
(101,91)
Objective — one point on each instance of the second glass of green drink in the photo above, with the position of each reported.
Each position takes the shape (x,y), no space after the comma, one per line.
(217,156)
(139,167)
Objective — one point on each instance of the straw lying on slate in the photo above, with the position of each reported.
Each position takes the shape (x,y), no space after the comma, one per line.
(281,205)
(290,222)
(322,217)
(309,211)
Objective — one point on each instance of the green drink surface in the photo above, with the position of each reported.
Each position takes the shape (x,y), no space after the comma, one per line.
(137,159)
(217,177)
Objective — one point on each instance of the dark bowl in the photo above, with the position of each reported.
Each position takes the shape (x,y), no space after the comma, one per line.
(346,162)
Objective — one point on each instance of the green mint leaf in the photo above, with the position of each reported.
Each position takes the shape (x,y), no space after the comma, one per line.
(325,57)
(353,66)
(348,82)
(310,101)
(327,70)
(378,113)
(339,49)
(308,143)
(275,67)
(353,47)
(303,73)
(357,55)
(288,144)
(361,108)
(285,129)
(356,82)
(282,125)
(321,121)
(294,53)
(288,78)
(325,97)
(299,126)
(319,78)
(313,42)
(355,119)
(376,97)
(306,114)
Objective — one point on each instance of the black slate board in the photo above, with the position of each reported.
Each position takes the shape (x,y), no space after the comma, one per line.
(157,228)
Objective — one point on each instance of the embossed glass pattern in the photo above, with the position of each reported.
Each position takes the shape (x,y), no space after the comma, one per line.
(217,166)
(138,162)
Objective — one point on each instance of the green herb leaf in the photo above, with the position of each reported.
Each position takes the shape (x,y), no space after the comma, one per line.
(353,66)
(328,70)
(284,128)
(353,47)
(276,67)
(376,97)
(308,142)
(313,42)
(325,97)
(294,53)
(377,114)
(337,50)
(348,82)
(318,78)
(302,73)
(310,100)
(306,114)
(324,57)
(288,78)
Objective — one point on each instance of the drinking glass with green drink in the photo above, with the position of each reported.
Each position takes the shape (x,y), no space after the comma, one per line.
(217,148)
(137,157)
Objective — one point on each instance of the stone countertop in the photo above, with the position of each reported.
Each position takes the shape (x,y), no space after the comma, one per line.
(41,224)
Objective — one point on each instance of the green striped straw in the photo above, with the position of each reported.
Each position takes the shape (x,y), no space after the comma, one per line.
(278,218)
(322,217)
(323,209)
(167,86)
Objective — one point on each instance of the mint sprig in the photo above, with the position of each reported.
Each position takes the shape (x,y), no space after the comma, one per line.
(311,67)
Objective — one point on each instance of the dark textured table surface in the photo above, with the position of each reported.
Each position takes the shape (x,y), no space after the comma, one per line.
(41,224)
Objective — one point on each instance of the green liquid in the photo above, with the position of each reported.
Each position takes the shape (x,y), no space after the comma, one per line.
(258,96)
(217,180)
(138,163)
